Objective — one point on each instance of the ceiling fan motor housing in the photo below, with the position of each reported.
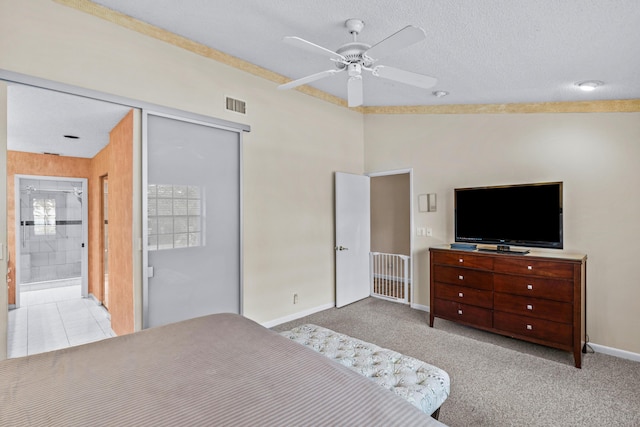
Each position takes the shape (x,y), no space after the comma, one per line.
(353,52)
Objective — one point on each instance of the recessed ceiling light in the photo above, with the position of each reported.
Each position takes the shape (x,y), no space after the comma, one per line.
(440,93)
(589,85)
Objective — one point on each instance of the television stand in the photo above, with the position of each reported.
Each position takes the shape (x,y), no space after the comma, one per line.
(539,297)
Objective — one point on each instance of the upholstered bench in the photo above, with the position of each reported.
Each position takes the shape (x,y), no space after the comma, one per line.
(423,385)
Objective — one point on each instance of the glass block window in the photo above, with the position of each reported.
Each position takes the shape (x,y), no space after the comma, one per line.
(175,215)
(44,217)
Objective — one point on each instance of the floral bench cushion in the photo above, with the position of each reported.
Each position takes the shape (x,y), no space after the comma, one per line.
(423,385)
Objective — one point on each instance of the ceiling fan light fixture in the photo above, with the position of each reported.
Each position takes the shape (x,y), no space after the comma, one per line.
(589,85)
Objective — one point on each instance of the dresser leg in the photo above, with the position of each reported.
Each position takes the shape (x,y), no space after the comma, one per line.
(431,320)
(577,357)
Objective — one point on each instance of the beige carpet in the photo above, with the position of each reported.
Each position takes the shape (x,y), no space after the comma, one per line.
(497,381)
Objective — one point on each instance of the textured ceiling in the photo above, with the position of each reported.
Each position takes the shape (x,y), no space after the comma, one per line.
(481,51)
(38,119)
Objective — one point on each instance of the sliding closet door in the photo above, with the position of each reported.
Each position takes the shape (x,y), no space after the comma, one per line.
(193,228)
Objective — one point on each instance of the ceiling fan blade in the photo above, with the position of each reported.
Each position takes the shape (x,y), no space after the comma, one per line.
(407,77)
(403,38)
(313,48)
(354,91)
(308,79)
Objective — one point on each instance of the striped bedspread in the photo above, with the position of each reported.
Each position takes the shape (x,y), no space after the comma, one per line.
(217,370)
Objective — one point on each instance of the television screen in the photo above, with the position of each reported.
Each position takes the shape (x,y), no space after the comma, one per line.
(520,215)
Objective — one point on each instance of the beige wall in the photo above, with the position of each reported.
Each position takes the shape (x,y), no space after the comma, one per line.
(391,214)
(595,155)
(289,157)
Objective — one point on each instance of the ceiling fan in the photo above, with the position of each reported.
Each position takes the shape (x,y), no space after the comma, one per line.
(356,56)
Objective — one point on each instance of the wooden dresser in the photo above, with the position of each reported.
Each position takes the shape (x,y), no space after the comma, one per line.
(538,297)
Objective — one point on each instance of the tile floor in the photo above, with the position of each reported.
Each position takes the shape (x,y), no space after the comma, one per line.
(55,318)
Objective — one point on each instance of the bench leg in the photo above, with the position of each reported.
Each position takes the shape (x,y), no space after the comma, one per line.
(436,414)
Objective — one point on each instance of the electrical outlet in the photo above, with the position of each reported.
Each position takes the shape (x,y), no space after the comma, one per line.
(429,231)
(295,298)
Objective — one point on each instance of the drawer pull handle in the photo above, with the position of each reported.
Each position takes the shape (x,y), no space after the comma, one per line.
(460,294)
(461,277)
(530,287)
(529,327)
(529,307)
(459,311)
(461,260)
(529,267)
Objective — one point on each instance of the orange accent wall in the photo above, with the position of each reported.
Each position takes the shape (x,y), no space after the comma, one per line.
(116,161)
(22,163)
(120,212)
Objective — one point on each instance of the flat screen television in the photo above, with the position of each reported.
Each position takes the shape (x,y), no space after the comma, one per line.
(519,215)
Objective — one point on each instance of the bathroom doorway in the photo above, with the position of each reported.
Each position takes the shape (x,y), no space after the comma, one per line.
(104,233)
(51,234)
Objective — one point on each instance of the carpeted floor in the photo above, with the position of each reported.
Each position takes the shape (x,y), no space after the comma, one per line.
(497,381)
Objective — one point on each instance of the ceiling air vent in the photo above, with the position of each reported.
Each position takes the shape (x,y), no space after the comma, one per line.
(236,105)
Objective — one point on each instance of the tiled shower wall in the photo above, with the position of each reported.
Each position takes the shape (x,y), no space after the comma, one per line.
(53,256)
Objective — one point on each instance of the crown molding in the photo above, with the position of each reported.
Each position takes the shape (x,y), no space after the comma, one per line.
(149,30)
(609,106)
(99,11)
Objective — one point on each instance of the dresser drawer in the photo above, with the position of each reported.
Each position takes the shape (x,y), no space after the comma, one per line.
(463,277)
(463,260)
(534,267)
(535,307)
(457,312)
(545,330)
(554,289)
(461,294)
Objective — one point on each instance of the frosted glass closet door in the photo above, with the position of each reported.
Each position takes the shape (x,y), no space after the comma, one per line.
(193,220)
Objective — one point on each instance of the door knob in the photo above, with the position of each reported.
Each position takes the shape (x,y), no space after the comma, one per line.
(341,248)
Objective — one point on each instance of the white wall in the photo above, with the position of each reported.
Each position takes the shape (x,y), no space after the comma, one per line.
(289,157)
(595,155)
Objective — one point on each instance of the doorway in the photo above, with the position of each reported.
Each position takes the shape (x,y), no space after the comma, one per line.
(374,239)
(51,256)
(391,235)
(104,233)
(51,234)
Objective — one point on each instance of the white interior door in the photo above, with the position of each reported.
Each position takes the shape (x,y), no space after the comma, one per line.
(353,237)
(193,228)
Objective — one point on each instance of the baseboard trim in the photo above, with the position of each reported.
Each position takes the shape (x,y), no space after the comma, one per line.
(298,315)
(420,307)
(623,354)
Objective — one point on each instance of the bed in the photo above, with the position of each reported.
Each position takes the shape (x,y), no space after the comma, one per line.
(219,370)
